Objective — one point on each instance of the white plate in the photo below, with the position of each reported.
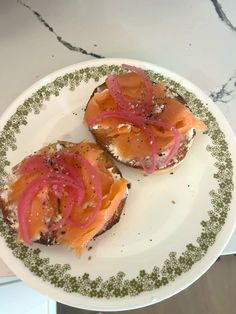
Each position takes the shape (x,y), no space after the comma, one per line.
(175,225)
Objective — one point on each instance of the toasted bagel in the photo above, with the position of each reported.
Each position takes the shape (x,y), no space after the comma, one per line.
(114,194)
(115,141)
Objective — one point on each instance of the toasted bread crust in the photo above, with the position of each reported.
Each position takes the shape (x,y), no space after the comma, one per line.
(104,141)
(10,217)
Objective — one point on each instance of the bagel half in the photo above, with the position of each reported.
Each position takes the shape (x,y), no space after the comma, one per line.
(164,101)
(114,194)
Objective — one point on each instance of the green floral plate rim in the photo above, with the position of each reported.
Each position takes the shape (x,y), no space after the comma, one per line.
(175,265)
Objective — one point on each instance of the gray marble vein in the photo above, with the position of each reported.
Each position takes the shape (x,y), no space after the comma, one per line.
(222,15)
(59,38)
(227,91)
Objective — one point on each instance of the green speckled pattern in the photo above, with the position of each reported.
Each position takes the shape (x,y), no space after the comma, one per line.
(175,264)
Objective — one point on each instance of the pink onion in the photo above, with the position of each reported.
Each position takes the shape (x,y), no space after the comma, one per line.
(31,191)
(135,106)
(176,137)
(59,175)
(147,83)
(97,187)
(66,168)
(75,196)
(72,198)
(35,163)
(165,125)
(114,89)
(151,140)
(138,121)
(142,123)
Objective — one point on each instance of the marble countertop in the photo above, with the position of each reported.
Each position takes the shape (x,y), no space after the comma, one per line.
(196,39)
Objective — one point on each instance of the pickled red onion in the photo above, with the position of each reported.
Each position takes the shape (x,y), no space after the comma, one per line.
(41,163)
(123,103)
(176,137)
(151,140)
(97,187)
(72,198)
(35,163)
(136,106)
(66,180)
(68,169)
(28,195)
(147,83)
(142,122)
(59,175)
(138,121)
(115,92)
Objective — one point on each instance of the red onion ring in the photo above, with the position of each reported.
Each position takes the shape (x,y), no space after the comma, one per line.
(35,163)
(135,106)
(147,83)
(142,122)
(97,187)
(72,198)
(68,169)
(176,136)
(151,139)
(28,195)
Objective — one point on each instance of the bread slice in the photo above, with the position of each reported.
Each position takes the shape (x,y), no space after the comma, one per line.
(105,141)
(9,209)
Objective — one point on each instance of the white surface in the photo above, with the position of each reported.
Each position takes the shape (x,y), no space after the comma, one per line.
(123,246)
(185,36)
(16,297)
